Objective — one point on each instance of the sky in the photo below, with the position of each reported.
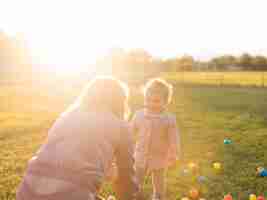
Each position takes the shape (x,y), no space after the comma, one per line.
(76,32)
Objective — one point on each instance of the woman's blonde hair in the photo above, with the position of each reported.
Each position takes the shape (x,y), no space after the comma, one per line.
(105,93)
(159,85)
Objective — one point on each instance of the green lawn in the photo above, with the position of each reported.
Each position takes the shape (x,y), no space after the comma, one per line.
(256,79)
(206,115)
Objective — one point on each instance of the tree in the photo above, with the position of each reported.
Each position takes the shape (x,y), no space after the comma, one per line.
(259,63)
(223,62)
(4,49)
(117,58)
(128,65)
(245,61)
(186,63)
(14,56)
(170,65)
(139,60)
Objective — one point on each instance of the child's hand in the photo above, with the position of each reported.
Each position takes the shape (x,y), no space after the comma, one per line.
(172,162)
(181,158)
(172,166)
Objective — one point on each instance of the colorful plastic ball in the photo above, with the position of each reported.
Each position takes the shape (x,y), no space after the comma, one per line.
(252,197)
(217,165)
(185,172)
(192,166)
(259,169)
(260,198)
(111,198)
(227,141)
(185,198)
(263,173)
(202,179)
(194,193)
(228,197)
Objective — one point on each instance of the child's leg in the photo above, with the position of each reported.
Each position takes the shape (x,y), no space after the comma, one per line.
(112,173)
(140,173)
(158,180)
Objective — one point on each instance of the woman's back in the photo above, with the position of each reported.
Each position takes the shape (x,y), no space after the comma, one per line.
(80,148)
(80,143)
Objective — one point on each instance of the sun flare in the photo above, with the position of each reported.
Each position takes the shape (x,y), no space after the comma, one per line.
(71,34)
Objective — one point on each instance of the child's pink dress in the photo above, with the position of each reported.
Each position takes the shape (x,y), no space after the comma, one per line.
(158,140)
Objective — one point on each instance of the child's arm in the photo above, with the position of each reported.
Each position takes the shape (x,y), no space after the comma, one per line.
(134,125)
(174,142)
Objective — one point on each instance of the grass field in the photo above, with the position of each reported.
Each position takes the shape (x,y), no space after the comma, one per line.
(258,79)
(206,115)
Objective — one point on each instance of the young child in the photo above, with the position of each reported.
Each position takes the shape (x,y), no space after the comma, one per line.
(158,142)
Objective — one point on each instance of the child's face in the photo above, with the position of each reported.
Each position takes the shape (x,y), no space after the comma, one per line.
(155,102)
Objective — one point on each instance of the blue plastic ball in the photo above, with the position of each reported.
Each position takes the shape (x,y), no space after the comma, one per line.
(263,173)
(227,141)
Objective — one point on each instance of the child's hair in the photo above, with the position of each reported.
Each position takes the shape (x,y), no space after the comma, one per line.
(159,85)
(105,93)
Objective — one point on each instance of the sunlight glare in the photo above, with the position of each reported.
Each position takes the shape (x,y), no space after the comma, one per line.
(75,33)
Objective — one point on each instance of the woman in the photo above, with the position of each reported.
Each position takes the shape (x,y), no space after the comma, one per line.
(81,145)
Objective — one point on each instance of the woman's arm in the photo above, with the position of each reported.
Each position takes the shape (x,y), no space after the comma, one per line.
(125,186)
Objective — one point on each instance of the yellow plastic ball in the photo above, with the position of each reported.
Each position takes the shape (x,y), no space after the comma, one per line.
(185,198)
(252,197)
(192,165)
(217,166)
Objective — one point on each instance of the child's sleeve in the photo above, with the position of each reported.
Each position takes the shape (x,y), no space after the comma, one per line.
(174,141)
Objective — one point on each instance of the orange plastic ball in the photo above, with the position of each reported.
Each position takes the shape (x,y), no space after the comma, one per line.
(260,198)
(194,193)
(228,197)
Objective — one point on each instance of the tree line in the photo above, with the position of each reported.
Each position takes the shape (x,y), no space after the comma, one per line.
(141,60)
(14,57)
